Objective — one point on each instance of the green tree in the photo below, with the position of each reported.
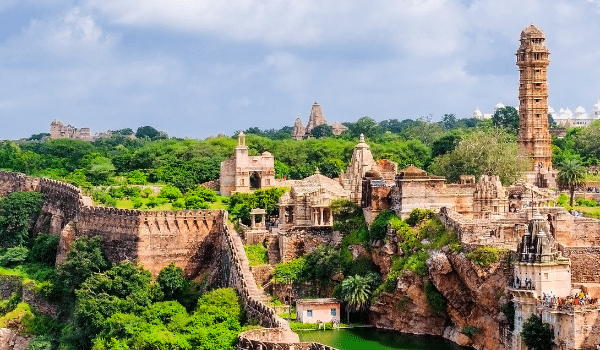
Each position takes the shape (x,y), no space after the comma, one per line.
(571,175)
(137,177)
(489,152)
(149,132)
(536,334)
(331,168)
(17,211)
(322,130)
(125,288)
(356,292)
(449,121)
(83,259)
(366,126)
(44,248)
(171,281)
(506,117)
(348,216)
(445,144)
(322,264)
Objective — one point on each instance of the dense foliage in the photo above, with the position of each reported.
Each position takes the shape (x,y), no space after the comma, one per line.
(17,210)
(536,334)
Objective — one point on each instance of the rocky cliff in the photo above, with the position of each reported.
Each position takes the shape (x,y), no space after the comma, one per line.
(473,297)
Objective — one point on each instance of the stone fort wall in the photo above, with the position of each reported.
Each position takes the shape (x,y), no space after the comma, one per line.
(198,241)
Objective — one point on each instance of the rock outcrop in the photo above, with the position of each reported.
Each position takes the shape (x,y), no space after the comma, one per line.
(473,298)
(9,340)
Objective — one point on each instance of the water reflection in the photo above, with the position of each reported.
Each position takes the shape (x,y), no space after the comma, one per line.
(372,339)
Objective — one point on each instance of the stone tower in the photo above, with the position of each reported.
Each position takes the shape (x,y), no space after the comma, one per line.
(316,118)
(534,138)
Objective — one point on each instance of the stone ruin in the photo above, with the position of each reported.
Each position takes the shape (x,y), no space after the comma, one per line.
(59,130)
(242,173)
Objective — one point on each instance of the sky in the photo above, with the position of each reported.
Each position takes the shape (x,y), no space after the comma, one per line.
(196,68)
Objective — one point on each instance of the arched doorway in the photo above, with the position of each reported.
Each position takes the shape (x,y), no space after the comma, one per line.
(255,180)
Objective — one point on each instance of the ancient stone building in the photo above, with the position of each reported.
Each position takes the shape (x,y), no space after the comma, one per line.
(315,119)
(307,203)
(361,162)
(59,130)
(543,284)
(414,188)
(534,138)
(242,173)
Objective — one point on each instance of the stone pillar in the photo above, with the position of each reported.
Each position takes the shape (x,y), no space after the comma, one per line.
(263,221)
(253,218)
(282,211)
(321,217)
(330,218)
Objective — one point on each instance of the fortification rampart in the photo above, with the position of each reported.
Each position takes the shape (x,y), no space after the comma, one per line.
(198,241)
(274,339)
(235,271)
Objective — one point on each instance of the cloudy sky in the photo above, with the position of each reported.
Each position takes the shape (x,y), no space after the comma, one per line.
(199,67)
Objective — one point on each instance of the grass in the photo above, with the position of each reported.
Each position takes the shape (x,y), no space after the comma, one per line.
(30,272)
(257,254)
(128,204)
(592,212)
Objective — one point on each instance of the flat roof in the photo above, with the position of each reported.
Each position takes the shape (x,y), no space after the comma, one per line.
(318,301)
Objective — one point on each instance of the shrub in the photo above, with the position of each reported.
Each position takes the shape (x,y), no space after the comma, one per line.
(178,204)
(205,193)
(418,215)
(195,202)
(43,342)
(257,254)
(290,271)
(434,298)
(146,192)
(587,202)
(470,330)
(170,192)
(137,203)
(14,256)
(44,248)
(484,256)
(378,228)
(137,177)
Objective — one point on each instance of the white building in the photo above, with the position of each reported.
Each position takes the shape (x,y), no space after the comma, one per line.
(479,115)
(566,118)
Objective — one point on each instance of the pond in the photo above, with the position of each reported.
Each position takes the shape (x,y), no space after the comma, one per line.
(374,339)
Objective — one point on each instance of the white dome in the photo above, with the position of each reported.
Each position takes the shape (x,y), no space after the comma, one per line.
(477,113)
(580,110)
(597,106)
(568,112)
(499,105)
(550,110)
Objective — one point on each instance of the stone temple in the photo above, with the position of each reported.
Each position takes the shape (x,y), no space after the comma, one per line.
(315,119)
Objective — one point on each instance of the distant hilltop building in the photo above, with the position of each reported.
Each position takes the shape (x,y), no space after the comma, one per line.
(479,115)
(316,118)
(566,118)
(58,130)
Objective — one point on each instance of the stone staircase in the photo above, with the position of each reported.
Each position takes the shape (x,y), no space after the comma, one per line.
(253,290)
(273,249)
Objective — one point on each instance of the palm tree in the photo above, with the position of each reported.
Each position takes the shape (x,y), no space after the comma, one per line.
(571,175)
(356,292)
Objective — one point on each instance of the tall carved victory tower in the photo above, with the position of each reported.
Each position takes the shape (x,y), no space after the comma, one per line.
(534,138)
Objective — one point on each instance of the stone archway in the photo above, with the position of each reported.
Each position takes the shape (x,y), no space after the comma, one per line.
(255,180)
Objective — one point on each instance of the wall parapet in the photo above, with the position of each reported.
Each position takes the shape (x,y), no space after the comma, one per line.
(275,339)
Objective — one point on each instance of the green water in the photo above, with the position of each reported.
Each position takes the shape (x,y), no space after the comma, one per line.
(373,339)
